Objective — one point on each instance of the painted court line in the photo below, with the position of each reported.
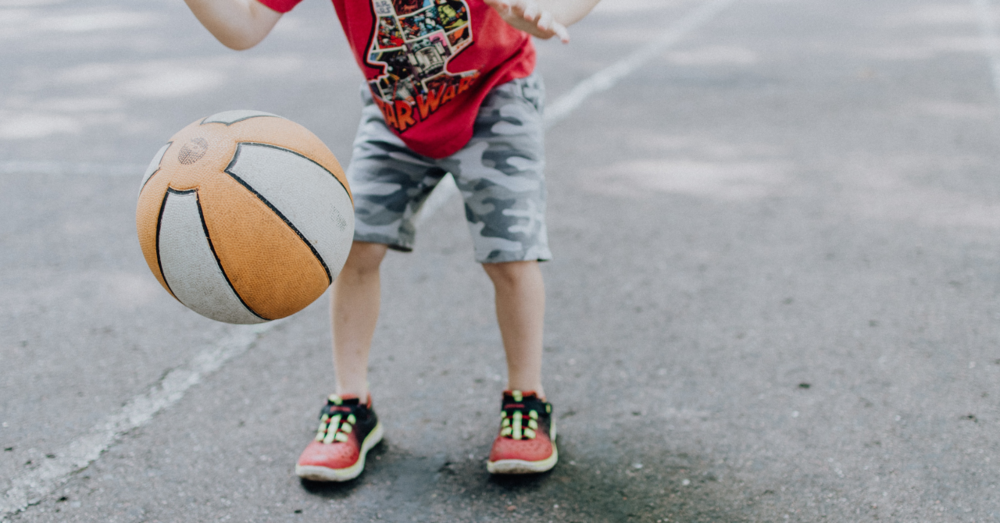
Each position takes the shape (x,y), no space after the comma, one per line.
(600,81)
(607,78)
(30,488)
(991,42)
(67,168)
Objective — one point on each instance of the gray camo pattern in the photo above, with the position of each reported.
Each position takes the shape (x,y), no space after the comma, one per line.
(500,174)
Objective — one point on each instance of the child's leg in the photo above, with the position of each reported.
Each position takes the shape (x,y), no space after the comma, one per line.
(355,297)
(348,426)
(520,305)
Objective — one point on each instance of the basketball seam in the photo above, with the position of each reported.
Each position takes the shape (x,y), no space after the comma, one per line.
(240,120)
(208,238)
(300,155)
(329,275)
(159,223)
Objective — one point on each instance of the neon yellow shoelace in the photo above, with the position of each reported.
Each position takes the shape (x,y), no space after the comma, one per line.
(336,427)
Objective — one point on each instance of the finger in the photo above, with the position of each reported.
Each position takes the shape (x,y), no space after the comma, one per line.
(545,21)
(531,11)
(561,31)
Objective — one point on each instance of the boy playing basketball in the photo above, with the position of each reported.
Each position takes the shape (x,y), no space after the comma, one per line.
(450,89)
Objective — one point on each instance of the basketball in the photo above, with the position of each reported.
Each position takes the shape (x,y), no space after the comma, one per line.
(245,217)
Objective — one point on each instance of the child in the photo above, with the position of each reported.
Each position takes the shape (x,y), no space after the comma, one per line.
(450,88)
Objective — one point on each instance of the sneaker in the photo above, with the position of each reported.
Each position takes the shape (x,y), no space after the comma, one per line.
(527,440)
(347,431)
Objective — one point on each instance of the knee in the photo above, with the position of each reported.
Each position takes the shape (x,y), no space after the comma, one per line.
(364,259)
(512,274)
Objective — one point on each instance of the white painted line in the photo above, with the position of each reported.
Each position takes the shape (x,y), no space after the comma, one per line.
(600,81)
(68,168)
(29,488)
(991,42)
(608,77)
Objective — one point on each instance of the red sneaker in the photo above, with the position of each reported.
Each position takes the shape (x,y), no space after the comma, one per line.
(527,440)
(347,431)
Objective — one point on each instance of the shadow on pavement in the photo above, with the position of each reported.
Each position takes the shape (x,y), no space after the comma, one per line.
(589,484)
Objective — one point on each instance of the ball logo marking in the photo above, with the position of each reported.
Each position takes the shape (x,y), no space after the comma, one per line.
(192,151)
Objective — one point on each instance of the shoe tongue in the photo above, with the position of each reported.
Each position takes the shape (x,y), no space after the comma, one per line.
(516,396)
(342,400)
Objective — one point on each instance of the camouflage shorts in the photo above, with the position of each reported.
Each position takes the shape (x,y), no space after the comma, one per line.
(499,173)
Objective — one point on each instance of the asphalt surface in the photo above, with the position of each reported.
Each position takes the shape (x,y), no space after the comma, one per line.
(774,298)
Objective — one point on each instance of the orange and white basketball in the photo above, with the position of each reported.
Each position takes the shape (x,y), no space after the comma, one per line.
(245,217)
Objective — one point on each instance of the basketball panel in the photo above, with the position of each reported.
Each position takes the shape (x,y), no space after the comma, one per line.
(154,165)
(289,135)
(268,264)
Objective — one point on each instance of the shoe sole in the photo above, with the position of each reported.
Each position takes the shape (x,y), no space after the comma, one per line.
(316,473)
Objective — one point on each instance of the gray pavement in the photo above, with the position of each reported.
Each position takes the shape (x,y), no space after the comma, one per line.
(774,298)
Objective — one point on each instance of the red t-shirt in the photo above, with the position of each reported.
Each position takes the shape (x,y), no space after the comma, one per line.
(430,63)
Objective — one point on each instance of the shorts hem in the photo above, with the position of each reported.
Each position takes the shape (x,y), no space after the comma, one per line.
(515,258)
(392,243)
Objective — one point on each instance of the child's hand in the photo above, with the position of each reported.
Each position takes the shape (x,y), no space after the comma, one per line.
(528,16)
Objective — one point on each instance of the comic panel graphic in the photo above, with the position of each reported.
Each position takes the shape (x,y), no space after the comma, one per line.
(412,42)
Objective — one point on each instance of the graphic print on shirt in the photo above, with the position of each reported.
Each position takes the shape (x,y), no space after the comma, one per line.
(412,42)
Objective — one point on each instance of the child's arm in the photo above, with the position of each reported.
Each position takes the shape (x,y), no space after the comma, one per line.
(543,18)
(238,24)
